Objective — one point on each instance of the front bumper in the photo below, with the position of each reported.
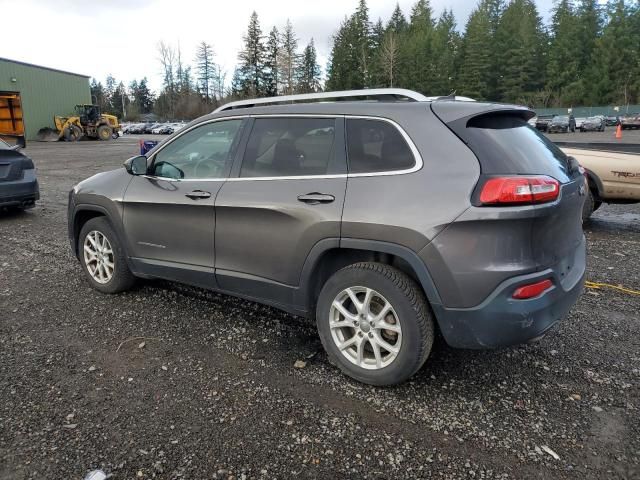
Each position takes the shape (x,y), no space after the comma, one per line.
(20,193)
(501,320)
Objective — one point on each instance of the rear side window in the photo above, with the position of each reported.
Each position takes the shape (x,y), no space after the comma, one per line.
(376,146)
(507,144)
(280,147)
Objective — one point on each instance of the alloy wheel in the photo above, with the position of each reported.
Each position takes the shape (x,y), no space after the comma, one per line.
(365,328)
(98,256)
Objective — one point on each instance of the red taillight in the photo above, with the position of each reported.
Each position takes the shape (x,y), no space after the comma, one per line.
(532,290)
(519,190)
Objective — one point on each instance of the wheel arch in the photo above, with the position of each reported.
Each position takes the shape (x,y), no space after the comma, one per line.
(595,184)
(330,255)
(82,214)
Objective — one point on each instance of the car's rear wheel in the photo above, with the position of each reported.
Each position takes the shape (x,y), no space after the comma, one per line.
(102,258)
(375,323)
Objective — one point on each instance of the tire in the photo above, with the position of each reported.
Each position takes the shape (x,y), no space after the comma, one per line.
(588,207)
(409,314)
(121,278)
(104,132)
(72,133)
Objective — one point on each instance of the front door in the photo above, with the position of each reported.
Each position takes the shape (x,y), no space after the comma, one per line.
(286,196)
(169,214)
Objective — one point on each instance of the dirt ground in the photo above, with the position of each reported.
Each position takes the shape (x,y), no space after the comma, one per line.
(174,382)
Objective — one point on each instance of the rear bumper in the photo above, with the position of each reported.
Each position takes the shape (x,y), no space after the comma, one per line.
(501,321)
(20,193)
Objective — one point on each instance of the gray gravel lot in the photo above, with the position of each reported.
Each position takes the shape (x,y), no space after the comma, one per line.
(213,392)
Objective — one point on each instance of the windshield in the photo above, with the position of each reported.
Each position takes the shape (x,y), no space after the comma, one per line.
(561,119)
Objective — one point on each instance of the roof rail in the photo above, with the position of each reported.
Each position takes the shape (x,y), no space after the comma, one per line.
(379,93)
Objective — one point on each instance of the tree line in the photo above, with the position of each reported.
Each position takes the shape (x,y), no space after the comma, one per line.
(267,66)
(588,55)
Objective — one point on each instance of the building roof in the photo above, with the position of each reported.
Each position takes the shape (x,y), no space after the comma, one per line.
(43,68)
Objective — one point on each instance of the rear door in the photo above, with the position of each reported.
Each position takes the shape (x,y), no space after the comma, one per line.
(169,214)
(284,197)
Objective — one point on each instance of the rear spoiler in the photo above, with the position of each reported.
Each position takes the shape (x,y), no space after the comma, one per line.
(449,112)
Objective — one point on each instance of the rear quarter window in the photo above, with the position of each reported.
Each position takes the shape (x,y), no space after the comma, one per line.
(376,146)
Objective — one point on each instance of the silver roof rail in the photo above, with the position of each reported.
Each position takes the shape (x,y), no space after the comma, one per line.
(381,93)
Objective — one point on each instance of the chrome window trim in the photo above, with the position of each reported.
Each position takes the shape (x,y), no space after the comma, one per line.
(419,163)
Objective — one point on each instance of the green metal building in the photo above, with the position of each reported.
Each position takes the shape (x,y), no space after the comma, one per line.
(42,92)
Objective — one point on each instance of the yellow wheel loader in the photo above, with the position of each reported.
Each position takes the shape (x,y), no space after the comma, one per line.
(88,122)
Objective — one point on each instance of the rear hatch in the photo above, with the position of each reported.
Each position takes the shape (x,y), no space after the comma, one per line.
(507,146)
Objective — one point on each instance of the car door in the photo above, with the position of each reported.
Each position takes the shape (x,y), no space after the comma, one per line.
(169,214)
(285,195)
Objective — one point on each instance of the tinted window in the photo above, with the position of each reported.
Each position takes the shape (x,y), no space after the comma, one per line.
(507,144)
(376,146)
(204,152)
(289,147)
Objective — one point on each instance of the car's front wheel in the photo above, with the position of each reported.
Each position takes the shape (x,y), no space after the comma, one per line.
(102,257)
(375,323)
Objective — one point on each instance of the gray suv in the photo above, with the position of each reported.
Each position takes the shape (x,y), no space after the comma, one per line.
(384,220)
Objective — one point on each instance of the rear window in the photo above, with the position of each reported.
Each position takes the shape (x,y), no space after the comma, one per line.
(507,144)
(376,146)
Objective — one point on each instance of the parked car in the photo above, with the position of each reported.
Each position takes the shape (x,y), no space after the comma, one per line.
(149,127)
(593,124)
(562,124)
(613,177)
(384,221)
(579,122)
(18,183)
(630,122)
(543,121)
(611,121)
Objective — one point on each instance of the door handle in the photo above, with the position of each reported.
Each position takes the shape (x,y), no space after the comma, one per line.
(316,198)
(196,194)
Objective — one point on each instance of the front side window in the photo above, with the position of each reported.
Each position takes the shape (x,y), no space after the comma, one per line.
(280,147)
(202,153)
(376,146)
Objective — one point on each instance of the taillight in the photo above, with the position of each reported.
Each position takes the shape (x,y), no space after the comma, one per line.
(532,290)
(519,190)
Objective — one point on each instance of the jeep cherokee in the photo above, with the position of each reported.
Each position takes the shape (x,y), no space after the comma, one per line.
(384,220)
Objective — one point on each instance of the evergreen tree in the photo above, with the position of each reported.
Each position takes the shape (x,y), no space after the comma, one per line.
(98,94)
(288,60)
(309,72)
(205,69)
(445,47)
(397,22)
(251,59)
(563,69)
(416,56)
(362,44)
(520,42)
(342,62)
(142,96)
(615,59)
(271,76)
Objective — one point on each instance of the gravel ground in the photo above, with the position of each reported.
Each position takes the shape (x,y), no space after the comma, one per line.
(169,381)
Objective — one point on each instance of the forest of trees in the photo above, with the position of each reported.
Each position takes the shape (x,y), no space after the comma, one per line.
(589,54)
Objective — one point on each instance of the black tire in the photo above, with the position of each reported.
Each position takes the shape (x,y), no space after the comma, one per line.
(412,310)
(122,278)
(72,133)
(588,207)
(104,132)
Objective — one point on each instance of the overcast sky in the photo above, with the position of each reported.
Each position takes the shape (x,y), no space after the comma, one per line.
(120,37)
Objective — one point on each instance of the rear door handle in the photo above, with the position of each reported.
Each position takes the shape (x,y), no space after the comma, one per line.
(316,198)
(196,194)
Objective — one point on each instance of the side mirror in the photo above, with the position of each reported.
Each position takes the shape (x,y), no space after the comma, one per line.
(136,165)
